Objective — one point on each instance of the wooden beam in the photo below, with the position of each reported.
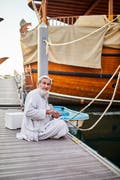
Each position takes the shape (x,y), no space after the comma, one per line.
(92,7)
(110,10)
(44,11)
(3,59)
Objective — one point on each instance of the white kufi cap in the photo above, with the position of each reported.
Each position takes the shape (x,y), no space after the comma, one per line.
(46,77)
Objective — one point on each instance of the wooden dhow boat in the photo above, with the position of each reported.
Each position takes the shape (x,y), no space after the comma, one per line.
(3,59)
(83,49)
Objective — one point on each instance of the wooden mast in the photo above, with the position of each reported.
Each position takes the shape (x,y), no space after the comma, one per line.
(110,10)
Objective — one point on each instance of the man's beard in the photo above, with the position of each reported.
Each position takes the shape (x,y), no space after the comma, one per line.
(44,93)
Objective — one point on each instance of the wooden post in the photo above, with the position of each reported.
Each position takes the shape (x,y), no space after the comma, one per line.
(42,54)
(44,11)
(110,10)
(42,37)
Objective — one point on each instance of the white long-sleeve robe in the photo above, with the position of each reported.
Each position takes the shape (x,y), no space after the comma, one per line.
(36,125)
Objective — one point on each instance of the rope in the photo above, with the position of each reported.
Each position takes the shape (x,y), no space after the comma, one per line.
(98,93)
(106,107)
(67,43)
(95,99)
(102,89)
(36,11)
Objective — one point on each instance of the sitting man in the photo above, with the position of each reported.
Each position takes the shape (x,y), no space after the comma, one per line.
(40,121)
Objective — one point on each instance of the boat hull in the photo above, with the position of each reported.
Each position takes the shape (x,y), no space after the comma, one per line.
(80,81)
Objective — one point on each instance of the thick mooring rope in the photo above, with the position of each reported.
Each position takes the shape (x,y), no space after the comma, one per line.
(114,93)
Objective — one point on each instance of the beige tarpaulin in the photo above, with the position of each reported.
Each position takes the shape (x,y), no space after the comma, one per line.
(112,38)
(29,46)
(84,53)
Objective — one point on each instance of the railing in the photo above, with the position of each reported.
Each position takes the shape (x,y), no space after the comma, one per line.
(70,20)
(62,20)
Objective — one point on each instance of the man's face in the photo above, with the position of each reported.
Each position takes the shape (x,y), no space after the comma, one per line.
(45,84)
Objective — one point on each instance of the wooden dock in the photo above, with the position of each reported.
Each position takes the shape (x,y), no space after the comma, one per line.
(8,93)
(65,159)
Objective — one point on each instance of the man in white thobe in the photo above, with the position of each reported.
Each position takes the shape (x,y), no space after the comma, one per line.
(40,121)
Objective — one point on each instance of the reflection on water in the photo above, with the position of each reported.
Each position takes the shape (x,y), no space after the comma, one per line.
(105,137)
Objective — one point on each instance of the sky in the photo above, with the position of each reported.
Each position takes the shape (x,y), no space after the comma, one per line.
(13,11)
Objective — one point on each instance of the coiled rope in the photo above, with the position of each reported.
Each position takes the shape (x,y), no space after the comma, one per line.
(114,92)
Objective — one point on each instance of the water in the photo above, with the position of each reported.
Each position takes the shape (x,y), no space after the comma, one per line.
(105,137)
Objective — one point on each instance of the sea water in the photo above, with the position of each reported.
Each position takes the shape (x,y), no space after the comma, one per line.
(105,136)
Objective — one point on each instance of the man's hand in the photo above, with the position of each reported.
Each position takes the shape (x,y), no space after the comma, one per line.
(53,113)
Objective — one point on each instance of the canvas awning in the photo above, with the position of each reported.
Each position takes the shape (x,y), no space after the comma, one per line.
(85,53)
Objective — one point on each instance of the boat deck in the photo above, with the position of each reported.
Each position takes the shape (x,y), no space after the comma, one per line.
(66,158)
